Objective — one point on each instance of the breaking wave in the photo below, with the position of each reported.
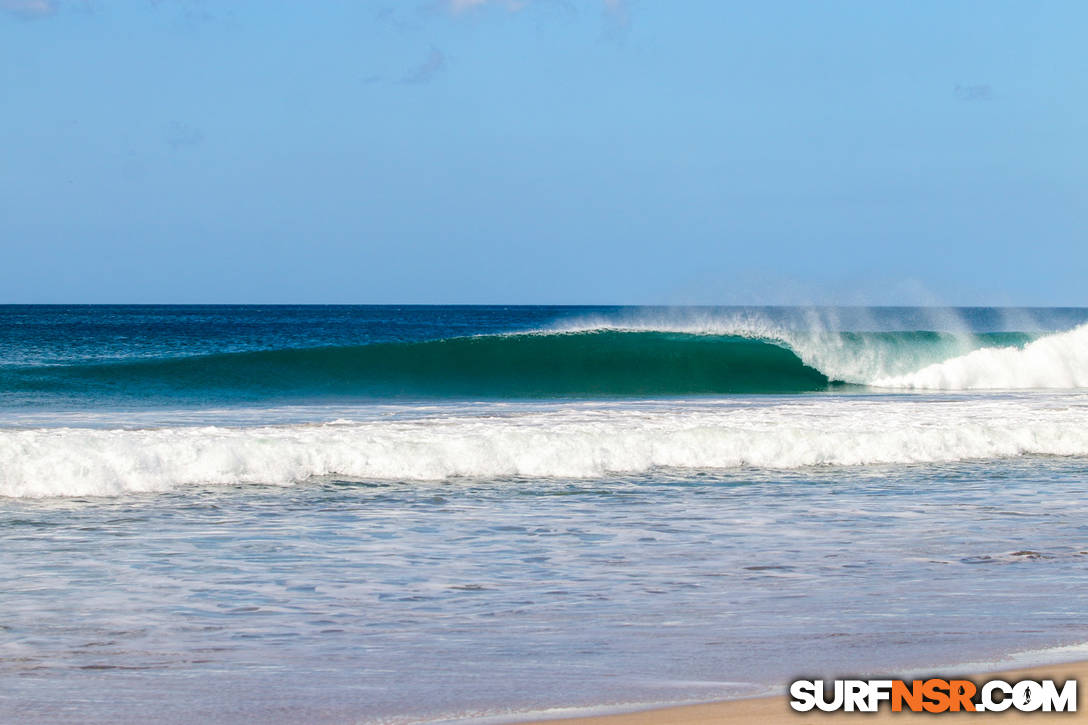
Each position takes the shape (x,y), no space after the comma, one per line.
(566,440)
(1058,361)
(591,362)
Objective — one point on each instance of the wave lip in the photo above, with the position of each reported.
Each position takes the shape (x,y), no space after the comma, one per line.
(563,442)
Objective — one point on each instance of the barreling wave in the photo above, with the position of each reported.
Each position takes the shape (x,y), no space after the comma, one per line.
(533,365)
(587,440)
(923,360)
(591,362)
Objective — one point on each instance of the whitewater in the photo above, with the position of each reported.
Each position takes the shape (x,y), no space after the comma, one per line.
(1058,361)
(558,441)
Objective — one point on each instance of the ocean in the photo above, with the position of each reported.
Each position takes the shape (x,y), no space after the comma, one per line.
(401,514)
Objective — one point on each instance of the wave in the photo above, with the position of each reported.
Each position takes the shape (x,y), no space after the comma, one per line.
(591,358)
(590,362)
(856,358)
(922,360)
(530,365)
(563,440)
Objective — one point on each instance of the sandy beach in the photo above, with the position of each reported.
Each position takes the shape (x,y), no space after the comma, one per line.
(775,709)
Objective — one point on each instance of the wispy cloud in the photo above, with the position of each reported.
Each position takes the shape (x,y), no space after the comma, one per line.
(978,92)
(29,9)
(460,6)
(431,66)
(617,12)
(181,135)
(616,6)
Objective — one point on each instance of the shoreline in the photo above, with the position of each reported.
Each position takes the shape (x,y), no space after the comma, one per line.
(775,709)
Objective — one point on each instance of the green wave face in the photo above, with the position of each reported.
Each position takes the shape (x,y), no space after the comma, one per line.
(586,364)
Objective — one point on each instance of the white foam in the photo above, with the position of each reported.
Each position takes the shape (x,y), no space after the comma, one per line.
(580,441)
(1055,361)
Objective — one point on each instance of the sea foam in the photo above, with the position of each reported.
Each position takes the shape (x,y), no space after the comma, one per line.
(567,441)
(1055,361)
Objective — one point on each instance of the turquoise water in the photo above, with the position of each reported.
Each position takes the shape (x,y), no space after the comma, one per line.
(396,514)
(169,356)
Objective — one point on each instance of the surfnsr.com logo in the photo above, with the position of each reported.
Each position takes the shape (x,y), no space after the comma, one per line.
(933,695)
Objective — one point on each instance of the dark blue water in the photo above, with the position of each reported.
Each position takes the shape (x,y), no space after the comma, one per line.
(58,334)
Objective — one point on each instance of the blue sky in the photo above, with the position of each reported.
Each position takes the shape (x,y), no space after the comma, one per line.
(543,151)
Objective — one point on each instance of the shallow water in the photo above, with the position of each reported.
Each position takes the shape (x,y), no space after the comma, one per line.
(333,599)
